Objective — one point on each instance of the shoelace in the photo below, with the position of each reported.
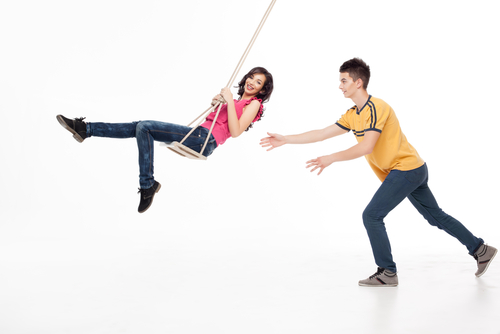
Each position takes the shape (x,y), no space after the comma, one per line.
(145,192)
(483,251)
(142,192)
(378,273)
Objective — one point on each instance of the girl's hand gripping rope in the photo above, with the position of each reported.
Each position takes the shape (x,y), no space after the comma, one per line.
(226,94)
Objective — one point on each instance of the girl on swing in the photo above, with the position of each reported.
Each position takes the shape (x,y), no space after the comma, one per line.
(235,117)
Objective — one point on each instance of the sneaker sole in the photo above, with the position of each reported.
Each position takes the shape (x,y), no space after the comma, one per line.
(152,198)
(488,264)
(378,285)
(77,137)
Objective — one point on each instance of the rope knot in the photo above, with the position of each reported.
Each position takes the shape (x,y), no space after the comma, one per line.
(220,100)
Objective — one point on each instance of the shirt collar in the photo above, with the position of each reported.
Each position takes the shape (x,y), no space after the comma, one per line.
(359,111)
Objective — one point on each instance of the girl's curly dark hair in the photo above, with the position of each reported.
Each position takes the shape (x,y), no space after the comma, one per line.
(265,92)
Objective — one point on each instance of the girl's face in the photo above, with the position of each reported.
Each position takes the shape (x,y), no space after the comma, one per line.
(254,84)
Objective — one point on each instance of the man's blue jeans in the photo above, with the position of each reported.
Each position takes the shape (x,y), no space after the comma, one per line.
(396,187)
(146,132)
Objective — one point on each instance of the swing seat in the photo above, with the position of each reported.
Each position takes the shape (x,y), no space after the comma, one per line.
(185,151)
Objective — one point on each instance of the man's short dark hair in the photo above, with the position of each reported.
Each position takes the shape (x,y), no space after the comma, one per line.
(357,69)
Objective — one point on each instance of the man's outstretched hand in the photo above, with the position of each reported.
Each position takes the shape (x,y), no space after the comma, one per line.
(273,141)
(321,163)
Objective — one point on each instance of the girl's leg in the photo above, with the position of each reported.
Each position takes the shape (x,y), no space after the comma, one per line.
(112,130)
(147,132)
(424,201)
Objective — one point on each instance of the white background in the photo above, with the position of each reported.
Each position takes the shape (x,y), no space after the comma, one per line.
(248,241)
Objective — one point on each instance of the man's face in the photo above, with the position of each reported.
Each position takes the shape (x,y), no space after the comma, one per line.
(347,85)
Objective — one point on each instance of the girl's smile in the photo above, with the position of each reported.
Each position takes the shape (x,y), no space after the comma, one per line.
(254,84)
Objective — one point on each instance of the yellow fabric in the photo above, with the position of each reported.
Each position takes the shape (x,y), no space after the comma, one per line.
(392,150)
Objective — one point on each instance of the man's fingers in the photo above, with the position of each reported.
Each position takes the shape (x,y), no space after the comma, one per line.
(316,167)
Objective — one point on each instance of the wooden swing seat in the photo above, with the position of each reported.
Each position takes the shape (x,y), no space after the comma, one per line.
(185,151)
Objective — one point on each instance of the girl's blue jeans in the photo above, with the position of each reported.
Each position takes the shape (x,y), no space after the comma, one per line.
(146,132)
(396,187)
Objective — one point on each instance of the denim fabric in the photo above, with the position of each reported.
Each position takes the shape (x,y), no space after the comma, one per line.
(396,187)
(146,132)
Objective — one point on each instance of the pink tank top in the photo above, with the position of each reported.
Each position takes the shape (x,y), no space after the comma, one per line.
(221,128)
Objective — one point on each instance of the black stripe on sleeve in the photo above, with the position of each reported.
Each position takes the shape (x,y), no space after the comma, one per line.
(371,116)
(342,127)
(359,133)
(374,116)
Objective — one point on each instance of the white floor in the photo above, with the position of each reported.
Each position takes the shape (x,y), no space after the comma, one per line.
(153,275)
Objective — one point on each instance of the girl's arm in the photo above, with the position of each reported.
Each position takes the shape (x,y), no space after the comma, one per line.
(238,126)
(275,140)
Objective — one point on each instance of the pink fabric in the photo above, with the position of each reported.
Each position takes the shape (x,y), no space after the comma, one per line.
(221,129)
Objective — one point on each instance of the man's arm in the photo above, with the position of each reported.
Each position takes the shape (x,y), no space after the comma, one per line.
(275,140)
(359,150)
(316,135)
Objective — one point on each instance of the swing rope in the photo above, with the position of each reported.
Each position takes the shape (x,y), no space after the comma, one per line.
(250,44)
(186,151)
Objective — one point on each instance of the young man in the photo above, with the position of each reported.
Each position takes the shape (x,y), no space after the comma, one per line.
(396,163)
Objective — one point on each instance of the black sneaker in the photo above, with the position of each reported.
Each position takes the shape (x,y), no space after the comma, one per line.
(147,196)
(76,126)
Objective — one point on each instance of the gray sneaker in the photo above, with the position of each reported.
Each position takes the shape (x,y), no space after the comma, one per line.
(382,277)
(484,255)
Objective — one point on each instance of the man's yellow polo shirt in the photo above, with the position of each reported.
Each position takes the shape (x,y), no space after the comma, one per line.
(392,150)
